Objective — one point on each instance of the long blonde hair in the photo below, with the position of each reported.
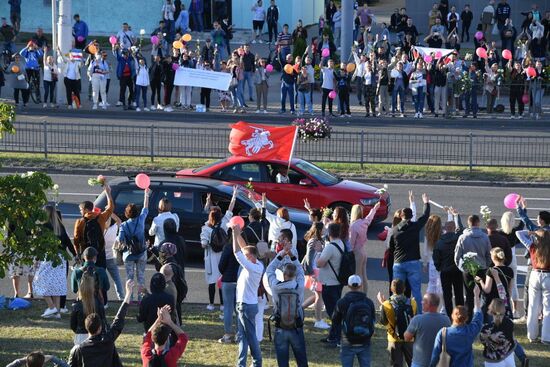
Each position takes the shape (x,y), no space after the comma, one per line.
(86,293)
(433,230)
(497,310)
(507,222)
(356,212)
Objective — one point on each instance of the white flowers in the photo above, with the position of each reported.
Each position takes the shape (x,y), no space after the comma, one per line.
(484,209)
(142,31)
(469,255)
(55,187)
(28,174)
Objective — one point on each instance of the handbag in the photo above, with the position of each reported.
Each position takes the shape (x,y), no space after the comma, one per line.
(444,357)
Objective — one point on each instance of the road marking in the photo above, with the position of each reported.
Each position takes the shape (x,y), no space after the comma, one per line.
(77,194)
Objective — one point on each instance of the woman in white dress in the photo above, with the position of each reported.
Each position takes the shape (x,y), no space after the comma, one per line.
(50,281)
(211,257)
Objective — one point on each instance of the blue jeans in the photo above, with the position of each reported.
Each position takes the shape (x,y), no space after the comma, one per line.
(247,335)
(139,264)
(398,90)
(287,89)
(197,21)
(240,92)
(248,80)
(229,291)
(141,91)
(419,100)
(348,353)
(112,268)
(284,51)
(171,28)
(305,99)
(520,352)
(471,101)
(293,338)
(411,271)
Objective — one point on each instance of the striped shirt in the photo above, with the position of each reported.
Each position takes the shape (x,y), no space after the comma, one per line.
(284,39)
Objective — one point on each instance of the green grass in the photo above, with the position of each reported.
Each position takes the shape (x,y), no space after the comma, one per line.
(371,171)
(25,331)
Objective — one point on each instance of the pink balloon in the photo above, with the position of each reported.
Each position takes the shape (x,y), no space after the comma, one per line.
(155,40)
(332,94)
(143,181)
(507,54)
(269,68)
(237,220)
(479,35)
(510,200)
(112,40)
(428,58)
(175,66)
(438,55)
(531,71)
(481,52)
(325,52)
(525,99)
(80,38)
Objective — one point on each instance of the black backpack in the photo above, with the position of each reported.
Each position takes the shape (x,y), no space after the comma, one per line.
(347,265)
(179,282)
(93,234)
(133,244)
(403,314)
(358,325)
(158,359)
(218,238)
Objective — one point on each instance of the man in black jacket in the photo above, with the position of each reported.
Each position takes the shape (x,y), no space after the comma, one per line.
(405,245)
(99,349)
(152,302)
(272,19)
(443,256)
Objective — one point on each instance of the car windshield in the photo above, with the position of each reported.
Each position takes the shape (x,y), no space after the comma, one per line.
(200,169)
(319,174)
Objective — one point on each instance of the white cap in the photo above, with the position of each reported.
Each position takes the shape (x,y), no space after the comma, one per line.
(354,281)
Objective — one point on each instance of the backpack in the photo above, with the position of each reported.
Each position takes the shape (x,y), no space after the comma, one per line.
(218,238)
(403,314)
(262,246)
(158,359)
(179,281)
(347,265)
(133,243)
(93,235)
(358,325)
(288,310)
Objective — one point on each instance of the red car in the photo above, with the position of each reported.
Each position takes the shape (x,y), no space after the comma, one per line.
(321,188)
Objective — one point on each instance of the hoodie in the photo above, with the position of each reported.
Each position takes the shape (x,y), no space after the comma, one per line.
(474,240)
(152,302)
(444,250)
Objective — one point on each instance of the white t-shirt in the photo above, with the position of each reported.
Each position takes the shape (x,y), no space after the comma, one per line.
(331,253)
(249,280)
(328,78)
(110,238)
(259,13)
(157,227)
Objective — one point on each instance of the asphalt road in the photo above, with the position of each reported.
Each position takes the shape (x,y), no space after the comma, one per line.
(74,189)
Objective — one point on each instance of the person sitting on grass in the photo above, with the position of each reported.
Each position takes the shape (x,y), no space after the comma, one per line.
(156,350)
(37,359)
(99,349)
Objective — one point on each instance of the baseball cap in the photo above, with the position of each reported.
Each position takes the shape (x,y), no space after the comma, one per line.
(89,253)
(354,281)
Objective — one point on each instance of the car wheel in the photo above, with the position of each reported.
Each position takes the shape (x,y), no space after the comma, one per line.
(344,205)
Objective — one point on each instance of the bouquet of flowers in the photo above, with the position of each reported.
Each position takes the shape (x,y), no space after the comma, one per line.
(470,265)
(327,212)
(249,184)
(312,129)
(500,76)
(485,213)
(98,181)
(383,192)
(464,82)
(55,194)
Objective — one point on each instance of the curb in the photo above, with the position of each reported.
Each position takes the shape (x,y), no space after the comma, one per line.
(371,180)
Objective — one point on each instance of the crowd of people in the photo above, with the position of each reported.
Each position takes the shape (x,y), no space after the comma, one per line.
(472,290)
(391,73)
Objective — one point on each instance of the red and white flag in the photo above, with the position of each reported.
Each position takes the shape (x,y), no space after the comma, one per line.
(257,141)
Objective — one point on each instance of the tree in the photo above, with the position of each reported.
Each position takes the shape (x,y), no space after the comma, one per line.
(23,238)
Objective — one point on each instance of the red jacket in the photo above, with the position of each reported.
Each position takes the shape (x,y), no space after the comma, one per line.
(171,358)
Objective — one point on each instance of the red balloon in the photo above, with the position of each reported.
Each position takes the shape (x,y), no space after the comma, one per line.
(507,54)
(531,71)
(237,220)
(481,52)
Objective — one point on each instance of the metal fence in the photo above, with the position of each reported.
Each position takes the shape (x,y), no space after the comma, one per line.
(343,146)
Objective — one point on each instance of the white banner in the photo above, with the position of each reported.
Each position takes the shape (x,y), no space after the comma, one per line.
(202,78)
(429,50)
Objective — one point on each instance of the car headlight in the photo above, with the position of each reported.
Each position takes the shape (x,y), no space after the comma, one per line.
(369,202)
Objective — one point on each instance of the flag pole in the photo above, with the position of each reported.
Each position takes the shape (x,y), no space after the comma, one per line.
(293,145)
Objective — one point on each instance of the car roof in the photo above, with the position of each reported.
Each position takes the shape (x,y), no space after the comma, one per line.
(187,180)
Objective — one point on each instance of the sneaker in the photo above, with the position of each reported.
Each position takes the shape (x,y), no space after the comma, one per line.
(420,116)
(513,117)
(146,109)
(537,116)
(210,307)
(253,41)
(70,107)
(168,109)
(258,111)
(94,107)
(245,105)
(402,115)
(104,107)
(264,111)
(282,111)
(118,104)
(520,117)
(260,41)
(235,110)
(521,320)
(45,105)
(348,115)
(138,109)
(226,339)
(321,324)
(342,115)
(152,107)
(56,315)
(63,310)
(159,107)
(49,313)
(134,104)
(52,105)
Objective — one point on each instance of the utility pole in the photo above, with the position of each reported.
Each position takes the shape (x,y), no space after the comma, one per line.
(63,38)
(346,37)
